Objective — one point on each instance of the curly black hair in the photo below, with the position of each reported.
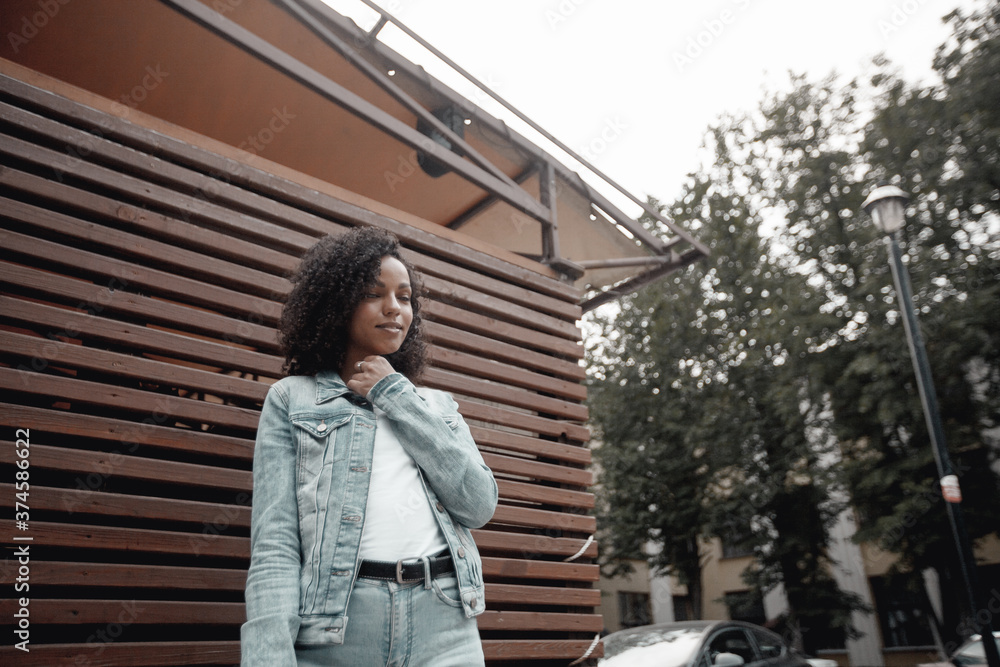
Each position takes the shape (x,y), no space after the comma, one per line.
(330,282)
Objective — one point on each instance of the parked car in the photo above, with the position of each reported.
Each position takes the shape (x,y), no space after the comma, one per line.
(969,653)
(700,644)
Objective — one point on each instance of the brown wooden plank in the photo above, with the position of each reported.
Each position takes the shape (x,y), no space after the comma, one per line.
(538,470)
(539,649)
(475,365)
(532,518)
(127,575)
(513,568)
(486,304)
(529,546)
(542,595)
(104,299)
(537,493)
(450,337)
(116,464)
(65,321)
(281,183)
(529,445)
(462,315)
(128,433)
(557,307)
(145,612)
(496,415)
(133,540)
(147,193)
(209,516)
(135,400)
(65,355)
(122,275)
(539,621)
(125,654)
(152,223)
(234,249)
(140,612)
(143,250)
(500,393)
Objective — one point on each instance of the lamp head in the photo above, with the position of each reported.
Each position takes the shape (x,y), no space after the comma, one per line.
(886,204)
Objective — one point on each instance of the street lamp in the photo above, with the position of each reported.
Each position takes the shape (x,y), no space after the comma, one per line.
(887,206)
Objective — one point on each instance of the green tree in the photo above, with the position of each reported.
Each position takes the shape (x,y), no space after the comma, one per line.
(747,391)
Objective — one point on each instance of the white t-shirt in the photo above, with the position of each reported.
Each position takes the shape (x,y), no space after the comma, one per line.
(399,521)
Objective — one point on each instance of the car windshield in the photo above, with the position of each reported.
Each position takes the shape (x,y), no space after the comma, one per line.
(652,647)
(974,653)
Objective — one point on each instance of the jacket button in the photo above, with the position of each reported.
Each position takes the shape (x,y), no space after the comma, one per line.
(473,602)
(461,552)
(321,427)
(440,507)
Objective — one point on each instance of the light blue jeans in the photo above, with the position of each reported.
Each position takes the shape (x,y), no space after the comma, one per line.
(402,625)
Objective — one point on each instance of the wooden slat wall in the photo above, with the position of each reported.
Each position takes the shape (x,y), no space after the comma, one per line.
(140,282)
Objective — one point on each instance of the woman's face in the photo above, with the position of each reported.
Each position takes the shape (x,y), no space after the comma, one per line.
(382,318)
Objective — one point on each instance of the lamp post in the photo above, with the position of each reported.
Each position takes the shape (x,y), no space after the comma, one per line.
(886,205)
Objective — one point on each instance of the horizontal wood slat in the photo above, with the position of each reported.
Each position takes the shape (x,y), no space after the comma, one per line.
(126,434)
(126,366)
(156,225)
(126,654)
(96,393)
(107,300)
(116,464)
(207,516)
(134,540)
(550,595)
(494,370)
(162,283)
(307,193)
(536,621)
(510,568)
(127,575)
(539,649)
(527,445)
(503,394)
(545,495)
(139,612)
(538,470)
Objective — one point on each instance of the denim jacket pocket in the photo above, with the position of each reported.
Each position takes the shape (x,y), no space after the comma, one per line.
(316,447)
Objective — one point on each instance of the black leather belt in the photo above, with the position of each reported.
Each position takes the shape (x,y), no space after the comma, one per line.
(403,571)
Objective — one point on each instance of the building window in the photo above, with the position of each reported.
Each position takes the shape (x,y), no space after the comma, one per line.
(736,541)
(901,612)
(634,609)
(683,608)
(745,606)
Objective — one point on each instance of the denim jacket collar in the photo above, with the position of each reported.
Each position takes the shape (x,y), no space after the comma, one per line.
(329,385)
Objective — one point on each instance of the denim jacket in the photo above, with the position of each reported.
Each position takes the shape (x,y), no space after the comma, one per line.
(311,472)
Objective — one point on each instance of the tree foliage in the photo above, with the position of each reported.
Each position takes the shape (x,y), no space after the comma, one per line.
(749,396)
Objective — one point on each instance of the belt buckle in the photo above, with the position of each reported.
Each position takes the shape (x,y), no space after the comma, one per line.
(399,571)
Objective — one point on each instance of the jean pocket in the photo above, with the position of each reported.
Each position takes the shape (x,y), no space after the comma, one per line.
(446,588)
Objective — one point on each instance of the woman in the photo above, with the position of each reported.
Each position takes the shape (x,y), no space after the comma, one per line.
(365,487)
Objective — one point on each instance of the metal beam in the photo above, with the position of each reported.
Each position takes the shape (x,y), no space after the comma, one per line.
(355,104)
(489,200)
(312,19)
(550,232)
(629,286)
(626,222)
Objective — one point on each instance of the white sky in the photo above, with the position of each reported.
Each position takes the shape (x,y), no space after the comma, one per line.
(633,84)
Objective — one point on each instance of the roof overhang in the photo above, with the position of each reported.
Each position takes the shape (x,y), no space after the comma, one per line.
(299,84)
